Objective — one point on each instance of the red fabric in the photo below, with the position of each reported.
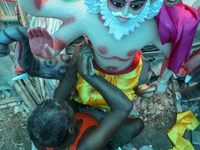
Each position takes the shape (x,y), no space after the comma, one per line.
(135,63)
(19,70)
(88,121)
(178,24)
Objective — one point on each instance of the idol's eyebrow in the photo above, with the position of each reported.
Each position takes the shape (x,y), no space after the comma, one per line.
(122,1)
(138,1)
(135,1)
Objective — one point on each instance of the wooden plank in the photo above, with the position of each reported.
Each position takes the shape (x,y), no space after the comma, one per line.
(11,100)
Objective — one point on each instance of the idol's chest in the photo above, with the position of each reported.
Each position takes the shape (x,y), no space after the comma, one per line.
(107,46)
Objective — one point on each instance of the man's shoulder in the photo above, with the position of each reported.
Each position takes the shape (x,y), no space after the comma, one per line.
(83,143)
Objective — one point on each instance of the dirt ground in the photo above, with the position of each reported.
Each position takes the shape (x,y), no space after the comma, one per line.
(13,134)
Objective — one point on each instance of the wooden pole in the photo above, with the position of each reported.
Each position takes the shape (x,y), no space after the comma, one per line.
(32,89)
(23,96)
(9,18)
(23,15)
(11,100)
(27,93)
(39,87)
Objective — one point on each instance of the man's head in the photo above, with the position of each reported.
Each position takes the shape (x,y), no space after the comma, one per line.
(124,10)
(51,123)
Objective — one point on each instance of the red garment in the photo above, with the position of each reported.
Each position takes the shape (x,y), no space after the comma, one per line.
(88,121)
(133,65)
(178,24)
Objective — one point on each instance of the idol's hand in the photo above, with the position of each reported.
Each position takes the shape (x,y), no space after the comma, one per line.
(41,43)
(144,91)
(160,86)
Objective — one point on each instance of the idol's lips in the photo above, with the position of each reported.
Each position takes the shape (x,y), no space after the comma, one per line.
(114,57)
(123,17)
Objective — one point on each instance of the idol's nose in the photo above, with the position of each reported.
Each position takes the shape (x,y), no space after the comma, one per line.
(125,10)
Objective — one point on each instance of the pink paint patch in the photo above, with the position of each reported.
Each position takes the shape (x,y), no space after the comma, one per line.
(129,1)
(132,52)
(58,44)
(112,58)
(68,21)
(39,4)
(123,17)
(102,50)
(100,19)
(111,68)
(47,53)
(19,70)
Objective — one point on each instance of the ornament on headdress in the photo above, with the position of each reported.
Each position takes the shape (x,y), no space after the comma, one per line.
(171,3)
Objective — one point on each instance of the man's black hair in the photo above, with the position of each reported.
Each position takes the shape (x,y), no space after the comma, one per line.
(48,124)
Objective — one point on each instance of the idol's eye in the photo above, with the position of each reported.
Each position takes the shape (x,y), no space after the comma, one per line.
(135,7)
(117,4)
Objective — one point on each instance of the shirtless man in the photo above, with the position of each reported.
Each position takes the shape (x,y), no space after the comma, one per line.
(118,29)
(53,123)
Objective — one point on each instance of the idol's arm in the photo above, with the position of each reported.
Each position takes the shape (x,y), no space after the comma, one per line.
(60,9)
(165,73)
(44,45)
(47,46)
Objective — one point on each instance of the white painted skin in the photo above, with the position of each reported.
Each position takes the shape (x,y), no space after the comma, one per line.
(90,25)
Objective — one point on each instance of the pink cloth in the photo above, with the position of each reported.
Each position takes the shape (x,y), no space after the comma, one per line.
(178,24)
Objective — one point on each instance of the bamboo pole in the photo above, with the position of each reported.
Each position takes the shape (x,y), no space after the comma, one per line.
(23,15)
(11,100)
(34,93)
(8,18)
(26,92)
(23,96)
(23,87)
(39,87)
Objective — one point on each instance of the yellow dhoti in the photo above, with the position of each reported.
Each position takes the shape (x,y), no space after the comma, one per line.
(125,82)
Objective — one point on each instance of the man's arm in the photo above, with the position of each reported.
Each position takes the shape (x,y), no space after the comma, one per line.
(118,102)
(63,91)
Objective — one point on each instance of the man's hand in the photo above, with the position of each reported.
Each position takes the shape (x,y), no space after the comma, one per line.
(144,91)
(81,47)
(84,59)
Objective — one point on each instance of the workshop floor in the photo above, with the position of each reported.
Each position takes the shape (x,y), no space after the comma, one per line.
(158,113)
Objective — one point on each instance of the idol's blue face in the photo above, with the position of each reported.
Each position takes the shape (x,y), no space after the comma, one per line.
(125,10)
